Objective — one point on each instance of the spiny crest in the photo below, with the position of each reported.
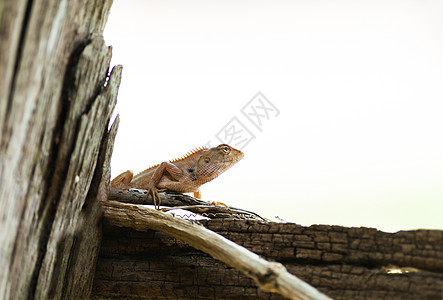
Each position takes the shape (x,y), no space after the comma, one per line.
(189,153)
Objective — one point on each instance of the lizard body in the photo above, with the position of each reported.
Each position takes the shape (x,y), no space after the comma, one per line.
(183,175)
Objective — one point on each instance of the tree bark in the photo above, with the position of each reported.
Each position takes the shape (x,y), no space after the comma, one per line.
(341,262)
(56,99)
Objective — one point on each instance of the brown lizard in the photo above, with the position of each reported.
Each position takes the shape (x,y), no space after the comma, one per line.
(183,175)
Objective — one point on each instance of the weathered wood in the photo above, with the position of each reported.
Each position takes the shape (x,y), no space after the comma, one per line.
(54,113)
(138,196)
(87,137)
(86,241)
(344,263)
(269,276)
(173,200)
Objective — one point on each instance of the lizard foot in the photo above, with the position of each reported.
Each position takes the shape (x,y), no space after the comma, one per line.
(218,203)
(155,196)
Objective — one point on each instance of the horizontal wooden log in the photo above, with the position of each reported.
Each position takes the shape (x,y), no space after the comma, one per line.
(175,200)
(269,276)
(138,196)
(342,262)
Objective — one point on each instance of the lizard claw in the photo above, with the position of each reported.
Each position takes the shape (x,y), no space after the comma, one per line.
(218,203)
(155,196)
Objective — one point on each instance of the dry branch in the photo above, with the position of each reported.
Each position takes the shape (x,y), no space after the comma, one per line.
(137,196)
(270,276)
(174,200)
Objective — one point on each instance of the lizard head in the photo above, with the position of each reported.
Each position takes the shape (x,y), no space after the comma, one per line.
(215,161)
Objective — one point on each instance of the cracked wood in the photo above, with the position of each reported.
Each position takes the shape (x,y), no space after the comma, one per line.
(342,262)
(269,276)
(54,116)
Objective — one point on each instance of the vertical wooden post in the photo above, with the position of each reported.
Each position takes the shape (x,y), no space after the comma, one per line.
(56,99)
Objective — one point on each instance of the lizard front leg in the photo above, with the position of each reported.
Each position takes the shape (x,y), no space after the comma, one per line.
(122,181)
(152,185)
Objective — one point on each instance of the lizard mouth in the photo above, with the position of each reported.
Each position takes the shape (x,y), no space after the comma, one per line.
(235,159)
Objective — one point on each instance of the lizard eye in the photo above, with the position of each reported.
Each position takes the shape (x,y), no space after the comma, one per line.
(207,160)
(226,149)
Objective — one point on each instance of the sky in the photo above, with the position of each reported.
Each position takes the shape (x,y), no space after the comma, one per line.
(337,105)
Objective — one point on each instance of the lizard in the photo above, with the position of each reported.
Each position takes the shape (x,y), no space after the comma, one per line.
(183,175)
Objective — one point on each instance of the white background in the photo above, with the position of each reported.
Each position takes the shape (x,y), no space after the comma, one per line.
(359,87)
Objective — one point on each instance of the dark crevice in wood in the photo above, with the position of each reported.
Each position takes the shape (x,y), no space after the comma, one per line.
(57,266)
(44,237)
(89,234)
(57,169)
(98,174)
(51,128)
(87,206)
(72,258)
(53,179)
(46,213)
(71,80)
(319,263)
(7,131)
(71,69)
(76,111)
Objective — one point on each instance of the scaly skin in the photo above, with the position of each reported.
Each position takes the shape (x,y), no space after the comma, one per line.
(182,175)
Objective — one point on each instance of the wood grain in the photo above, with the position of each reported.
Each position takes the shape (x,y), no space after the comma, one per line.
(341,262)
(269,276)
(54,114)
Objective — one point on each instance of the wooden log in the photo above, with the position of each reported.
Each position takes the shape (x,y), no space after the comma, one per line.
(56,99)
(138,196)
(269,276)
(342,262)
(172,200)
